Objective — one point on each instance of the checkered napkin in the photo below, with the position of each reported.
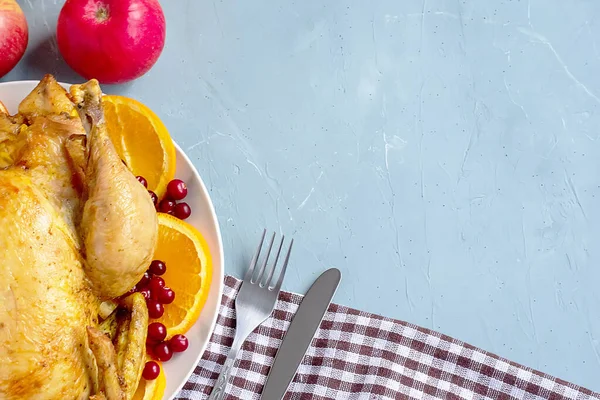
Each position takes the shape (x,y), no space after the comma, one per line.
(356,355)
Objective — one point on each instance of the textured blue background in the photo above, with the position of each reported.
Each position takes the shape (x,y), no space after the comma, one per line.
(443,154)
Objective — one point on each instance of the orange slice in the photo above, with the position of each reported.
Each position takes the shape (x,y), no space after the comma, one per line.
(151,390)
(142,141)
(189,271)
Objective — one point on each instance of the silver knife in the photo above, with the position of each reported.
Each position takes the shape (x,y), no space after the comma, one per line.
(300,334)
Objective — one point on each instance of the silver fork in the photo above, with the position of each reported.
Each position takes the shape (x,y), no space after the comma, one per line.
(254,304)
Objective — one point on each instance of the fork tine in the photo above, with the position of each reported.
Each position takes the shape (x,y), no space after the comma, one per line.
(248,275)
(262,268)
(285,264)
(267,281)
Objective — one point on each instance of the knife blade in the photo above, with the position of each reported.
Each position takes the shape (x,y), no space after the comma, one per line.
(300,334)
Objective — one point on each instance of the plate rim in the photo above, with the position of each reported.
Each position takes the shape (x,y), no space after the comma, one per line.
(221,272)
(213,217)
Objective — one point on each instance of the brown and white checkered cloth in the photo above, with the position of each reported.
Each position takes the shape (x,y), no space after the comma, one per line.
(356,355)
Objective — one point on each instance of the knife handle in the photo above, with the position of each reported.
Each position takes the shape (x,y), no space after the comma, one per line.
(218,392)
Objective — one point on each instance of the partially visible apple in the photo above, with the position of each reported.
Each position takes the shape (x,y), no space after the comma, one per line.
(13,35)
(114,41)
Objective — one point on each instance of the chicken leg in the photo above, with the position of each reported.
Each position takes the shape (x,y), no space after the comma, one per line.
(118,227)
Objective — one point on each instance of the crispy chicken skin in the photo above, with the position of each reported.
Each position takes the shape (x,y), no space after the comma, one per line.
(77,229)
(118,211)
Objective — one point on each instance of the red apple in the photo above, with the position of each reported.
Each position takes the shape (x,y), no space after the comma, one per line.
(13,35)
(114,41)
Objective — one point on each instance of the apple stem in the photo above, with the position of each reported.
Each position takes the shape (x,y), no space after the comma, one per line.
(102,13)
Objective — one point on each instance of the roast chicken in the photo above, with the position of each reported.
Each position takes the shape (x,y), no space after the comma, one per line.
(77,231)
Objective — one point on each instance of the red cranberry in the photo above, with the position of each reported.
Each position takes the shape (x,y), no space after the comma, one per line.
(146,293)
(150,349)
(151,370)
(154,295)
(144,281)
(163,352)
(154,197)
(177,189)
(157,267)
(178,343)
(155,309)
(157,332)
(166,206)
(156,284)
(166,296)
(182,210)
(142,180)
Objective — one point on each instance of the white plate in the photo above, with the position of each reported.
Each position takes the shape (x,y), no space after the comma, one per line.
(181,366)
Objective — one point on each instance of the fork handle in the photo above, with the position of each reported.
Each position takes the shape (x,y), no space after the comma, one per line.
(218,392)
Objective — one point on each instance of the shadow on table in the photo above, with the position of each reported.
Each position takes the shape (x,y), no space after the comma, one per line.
(46,59)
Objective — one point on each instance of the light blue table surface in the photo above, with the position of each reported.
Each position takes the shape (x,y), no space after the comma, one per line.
(444,155)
